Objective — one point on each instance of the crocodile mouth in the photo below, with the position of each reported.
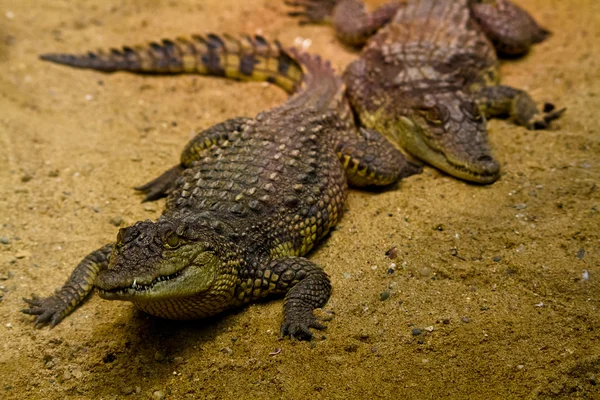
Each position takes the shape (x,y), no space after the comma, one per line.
(136,289)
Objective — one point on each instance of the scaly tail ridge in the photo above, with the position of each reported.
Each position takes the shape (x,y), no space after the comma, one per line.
(250,58)
(321,87)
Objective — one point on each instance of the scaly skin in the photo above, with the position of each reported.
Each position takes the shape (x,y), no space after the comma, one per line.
(428,74)
(249,198)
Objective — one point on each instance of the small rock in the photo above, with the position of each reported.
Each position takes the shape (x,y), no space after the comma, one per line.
(416,331)
(446,321)
(116,220)
(26,178)
(66,376)
(149,207)
(159,394)
(227,350)
(580,253)
(466,320)
(4,240)
(392,253)
(496,258)
(77,373)
(439,227)
(127,390)
(158,356)
(520,206)
(383,296)
(53,173)
(425,272)
(23,253)
(429,328)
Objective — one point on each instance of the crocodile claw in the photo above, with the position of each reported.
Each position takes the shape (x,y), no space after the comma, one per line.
(297,326)
(542,121)
(49,311)
(311,11)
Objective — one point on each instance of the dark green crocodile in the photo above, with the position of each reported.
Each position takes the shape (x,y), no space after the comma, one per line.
(250,197)
(428,74)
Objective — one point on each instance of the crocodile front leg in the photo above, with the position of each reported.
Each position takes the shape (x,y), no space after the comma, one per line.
(502,101)
(81,282)
(165,183)
(352,23)
(306,287)
(369,159)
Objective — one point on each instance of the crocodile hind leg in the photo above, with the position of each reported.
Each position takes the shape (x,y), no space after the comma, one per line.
(165,183)
(369,159)
(510,28)
(81,282)
(352,23)
(503,101)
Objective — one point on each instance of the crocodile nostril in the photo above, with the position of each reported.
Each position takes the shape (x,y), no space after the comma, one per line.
(485,159)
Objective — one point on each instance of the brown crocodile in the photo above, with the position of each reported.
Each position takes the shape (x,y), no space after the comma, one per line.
(249,198)
(428,77)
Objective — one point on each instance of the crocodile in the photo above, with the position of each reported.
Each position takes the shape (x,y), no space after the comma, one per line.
(427,77)
(249,198)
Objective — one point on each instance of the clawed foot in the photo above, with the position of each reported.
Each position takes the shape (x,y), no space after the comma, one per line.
(297,325)
(161,186)
(542,121)
(312,11)
(50,310)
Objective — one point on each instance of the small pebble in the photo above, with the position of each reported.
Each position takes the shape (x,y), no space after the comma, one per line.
(425,272)
(466,320)
(53,173)
(117,220)
(580,253)
(26,178)
(520,206)
(227,350)
(383,296)
(23,253)
(429,328)
(158,356)
(4,240)
(416,331)
(127,390)
(496,258)
(585,275)
(392,253)
(159,394)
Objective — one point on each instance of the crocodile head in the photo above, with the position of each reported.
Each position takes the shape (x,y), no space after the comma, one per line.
(447,131)
(168,269)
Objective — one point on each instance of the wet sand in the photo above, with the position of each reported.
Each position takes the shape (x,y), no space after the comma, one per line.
(503,281)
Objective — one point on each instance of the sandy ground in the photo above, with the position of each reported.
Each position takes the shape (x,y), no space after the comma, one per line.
(503,281)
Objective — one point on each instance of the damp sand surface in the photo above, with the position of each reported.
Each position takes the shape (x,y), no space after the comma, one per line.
(490,292)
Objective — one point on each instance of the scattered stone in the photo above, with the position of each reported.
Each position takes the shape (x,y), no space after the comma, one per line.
(158,356)
(4,240)
(391,269)
(439,227)
(586,275)
(416,331)
(116,220)
(227,350)
(383,296)
(26,178)
(158,394)
(425,272)
(127,390)
(497,259)
(53,173)
(466,320)
(592,379)
(392,253)
(66,376)
(23,253)
(446,321)
(149,207)
(429,328)
(580,253)
(520,206)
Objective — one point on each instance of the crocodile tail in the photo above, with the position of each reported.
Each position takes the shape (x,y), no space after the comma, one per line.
(320,87)
(250,58)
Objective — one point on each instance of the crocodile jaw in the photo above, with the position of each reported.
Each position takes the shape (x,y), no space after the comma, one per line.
(482,168)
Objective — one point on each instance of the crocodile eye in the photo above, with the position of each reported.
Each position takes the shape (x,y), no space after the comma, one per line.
(472,111)
(172,240)
(432,115)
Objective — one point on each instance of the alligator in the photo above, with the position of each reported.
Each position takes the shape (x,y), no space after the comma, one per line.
(249,198)
(427,77)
